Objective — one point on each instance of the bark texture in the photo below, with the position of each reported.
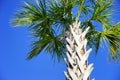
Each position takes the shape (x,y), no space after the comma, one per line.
(77,55)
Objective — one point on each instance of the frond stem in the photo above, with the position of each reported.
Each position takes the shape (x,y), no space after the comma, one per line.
(79,12)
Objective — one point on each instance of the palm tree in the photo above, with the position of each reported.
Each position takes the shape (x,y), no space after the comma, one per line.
(50,20)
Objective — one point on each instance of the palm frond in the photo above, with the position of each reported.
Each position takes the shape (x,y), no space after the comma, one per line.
(40,21)
(112,36)
(31,13)
(94,39)
(51,44)
(102,13)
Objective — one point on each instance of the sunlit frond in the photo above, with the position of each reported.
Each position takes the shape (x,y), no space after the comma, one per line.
(102,12)
(112,36)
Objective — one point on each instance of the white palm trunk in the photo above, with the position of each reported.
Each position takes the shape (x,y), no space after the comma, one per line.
(77,55)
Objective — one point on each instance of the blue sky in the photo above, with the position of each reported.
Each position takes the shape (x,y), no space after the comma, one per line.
(15,44)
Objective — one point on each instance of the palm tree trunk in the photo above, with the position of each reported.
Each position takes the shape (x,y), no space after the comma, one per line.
(77,55)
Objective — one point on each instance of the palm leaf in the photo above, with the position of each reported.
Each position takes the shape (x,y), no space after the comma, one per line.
(30,14)
(113,36)
(94,39)
(102,13)
(50,44)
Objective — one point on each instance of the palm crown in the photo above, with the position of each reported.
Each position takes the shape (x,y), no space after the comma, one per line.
(49,21)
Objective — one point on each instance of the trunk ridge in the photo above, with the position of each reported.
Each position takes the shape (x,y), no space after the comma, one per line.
(77,55)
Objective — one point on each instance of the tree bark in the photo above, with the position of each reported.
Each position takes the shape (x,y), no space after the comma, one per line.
(77,55)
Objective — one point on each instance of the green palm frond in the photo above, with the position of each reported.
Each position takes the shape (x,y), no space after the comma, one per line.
(94,39)
(31,13)
(89,23)
(112,36)
(102,12)
(51,44)
(56,10)
(42,22)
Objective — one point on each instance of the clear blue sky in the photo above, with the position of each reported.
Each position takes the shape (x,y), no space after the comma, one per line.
(15,44)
